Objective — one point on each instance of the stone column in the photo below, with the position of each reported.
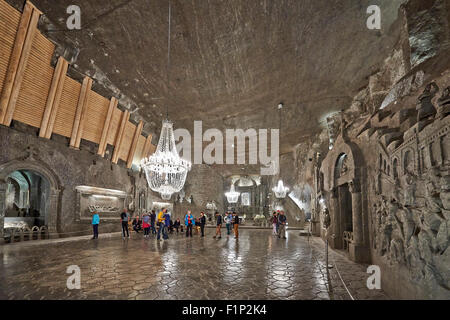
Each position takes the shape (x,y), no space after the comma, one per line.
(356,213)
(358,251)
(53,214)
(334,233)
(3,187)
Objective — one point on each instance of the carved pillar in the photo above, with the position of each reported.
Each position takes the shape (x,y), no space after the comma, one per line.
(3,187)
(356,213)
(53,214)
(335,235)
(357,249)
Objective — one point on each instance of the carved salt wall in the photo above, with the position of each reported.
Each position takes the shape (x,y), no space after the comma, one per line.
(410,213)
(387,188)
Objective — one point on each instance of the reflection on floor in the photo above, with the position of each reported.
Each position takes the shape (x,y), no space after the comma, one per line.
(257,266)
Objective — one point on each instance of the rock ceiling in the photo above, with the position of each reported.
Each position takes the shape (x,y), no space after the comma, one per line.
(233,61)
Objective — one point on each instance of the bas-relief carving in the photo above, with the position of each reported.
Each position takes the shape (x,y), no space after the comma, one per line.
(409,204)
(444,104)
(416,237)
(425,107)
(410,219)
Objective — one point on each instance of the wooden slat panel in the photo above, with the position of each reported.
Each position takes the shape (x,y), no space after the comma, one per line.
(114,127)
(57,101)
(120,134)
(84,114)
(139,150)
(17,64)
(56,81)
(148,143)
(9,23)
(75,137)
(32,96)
(95,117)
(102,145)
(134,143)
(67,109)
(127,141)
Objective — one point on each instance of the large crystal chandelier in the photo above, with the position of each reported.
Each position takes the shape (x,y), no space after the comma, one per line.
(280,190)
(165,171)
(232,195)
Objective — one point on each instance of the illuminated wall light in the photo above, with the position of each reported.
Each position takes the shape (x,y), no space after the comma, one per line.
(96,190)
(104,197)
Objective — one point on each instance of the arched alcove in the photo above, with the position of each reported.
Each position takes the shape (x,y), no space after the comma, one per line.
(27,195)
(46,186)
(395,168)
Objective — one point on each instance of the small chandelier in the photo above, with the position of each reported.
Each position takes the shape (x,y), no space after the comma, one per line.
(280,190)
(165,171)
(232,195)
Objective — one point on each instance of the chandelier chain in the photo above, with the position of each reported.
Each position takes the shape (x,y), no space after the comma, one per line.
(168,61)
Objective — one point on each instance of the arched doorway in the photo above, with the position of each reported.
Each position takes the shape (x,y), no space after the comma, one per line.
(343,172)
(345,206)
(27,199)
(344,213)
(34,190)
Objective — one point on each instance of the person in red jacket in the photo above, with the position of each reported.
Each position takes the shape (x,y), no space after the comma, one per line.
(146,225)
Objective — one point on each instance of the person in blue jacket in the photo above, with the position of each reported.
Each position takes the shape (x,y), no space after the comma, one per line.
(166,225)
(189,222)
(95,222)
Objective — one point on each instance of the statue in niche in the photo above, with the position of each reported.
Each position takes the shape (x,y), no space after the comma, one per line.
(344,167)
(444,104)
(425,107)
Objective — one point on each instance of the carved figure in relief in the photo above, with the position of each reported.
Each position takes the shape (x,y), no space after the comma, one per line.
(432,193)
(425,107)
(407,223)
(387,227)
(344,167)
(444,104)
(410,189)
(445,193)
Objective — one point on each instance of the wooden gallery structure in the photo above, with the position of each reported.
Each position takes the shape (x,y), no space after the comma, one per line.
(40,95)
